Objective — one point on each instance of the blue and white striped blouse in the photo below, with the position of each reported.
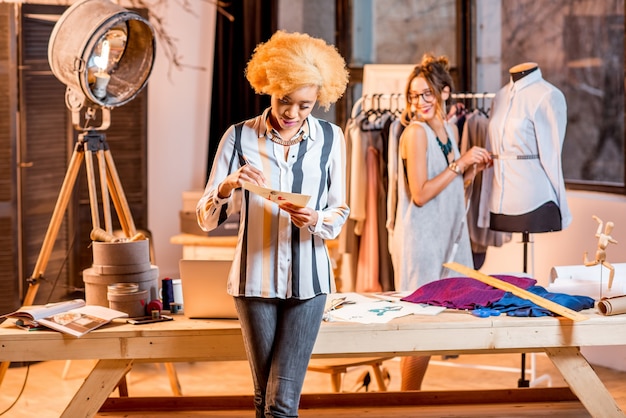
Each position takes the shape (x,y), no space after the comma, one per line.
(274,258)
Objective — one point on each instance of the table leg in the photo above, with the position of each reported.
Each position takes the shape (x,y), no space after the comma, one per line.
(4,366)
(584,382)
(97,387)
(173,376)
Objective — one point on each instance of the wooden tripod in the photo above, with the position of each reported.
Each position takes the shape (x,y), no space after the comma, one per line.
(89,143)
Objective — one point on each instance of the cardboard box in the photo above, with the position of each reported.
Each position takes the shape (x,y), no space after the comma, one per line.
(190,200)
(189,225)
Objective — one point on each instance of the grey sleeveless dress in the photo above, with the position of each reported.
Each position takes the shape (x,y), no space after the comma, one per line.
(424,237)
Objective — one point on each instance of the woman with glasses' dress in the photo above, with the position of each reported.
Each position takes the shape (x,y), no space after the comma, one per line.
(430,226)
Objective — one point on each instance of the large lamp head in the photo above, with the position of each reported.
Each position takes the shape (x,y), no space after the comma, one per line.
(102,52)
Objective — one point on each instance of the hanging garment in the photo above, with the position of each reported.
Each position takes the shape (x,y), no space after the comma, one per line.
(367,189)
(395,130)
(475,134)
(364,133)
(368,260)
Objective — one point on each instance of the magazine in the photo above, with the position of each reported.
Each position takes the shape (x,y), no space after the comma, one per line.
(72,317)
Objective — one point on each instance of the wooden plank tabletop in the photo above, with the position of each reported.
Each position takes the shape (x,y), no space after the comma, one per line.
(186,339)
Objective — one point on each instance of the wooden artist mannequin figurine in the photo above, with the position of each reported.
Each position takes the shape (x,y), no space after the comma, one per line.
(604,239)
(526,133)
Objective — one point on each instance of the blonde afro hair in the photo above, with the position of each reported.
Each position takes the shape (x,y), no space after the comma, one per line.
(289,61)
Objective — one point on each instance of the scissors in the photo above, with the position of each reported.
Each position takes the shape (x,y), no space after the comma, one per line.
(485,312)
(382,311)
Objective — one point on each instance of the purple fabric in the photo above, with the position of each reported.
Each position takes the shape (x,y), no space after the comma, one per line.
(464,292)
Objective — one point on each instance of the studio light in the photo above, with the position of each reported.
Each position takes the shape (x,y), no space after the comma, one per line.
(102,52)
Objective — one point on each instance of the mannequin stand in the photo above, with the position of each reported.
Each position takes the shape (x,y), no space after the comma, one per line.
(546,218)
(522,382)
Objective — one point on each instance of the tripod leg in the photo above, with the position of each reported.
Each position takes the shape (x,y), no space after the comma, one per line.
(91,183)
(106,206)
(51,234)
(55,223)
(118,197)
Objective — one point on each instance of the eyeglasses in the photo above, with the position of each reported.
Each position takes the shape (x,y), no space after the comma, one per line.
(426,95)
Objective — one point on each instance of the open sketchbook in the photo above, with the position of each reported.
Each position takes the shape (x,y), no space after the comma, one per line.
(72,317)
(373,308)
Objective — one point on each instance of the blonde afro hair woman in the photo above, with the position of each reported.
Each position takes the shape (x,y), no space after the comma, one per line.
(289,61)
(281,273)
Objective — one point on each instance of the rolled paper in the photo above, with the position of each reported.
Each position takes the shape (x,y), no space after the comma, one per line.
(613,305)
(138,237)
(99,234)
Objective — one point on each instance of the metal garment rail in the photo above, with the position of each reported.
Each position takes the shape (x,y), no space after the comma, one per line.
(395,101)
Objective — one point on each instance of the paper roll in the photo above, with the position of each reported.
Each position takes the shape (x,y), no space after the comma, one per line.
(612,306)
(582,272)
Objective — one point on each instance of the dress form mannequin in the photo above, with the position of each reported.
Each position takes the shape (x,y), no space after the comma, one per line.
(527,129)
(521,70)
(545,214)
(546,218)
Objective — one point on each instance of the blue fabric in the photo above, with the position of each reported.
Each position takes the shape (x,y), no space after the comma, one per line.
(515,306)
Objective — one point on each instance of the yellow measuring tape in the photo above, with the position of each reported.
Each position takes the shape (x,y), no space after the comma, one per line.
(517,291)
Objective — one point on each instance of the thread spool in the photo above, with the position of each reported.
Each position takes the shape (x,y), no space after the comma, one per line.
(154,305)
(126,297)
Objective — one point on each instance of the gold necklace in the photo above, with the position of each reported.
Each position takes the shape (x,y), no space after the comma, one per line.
(278,140)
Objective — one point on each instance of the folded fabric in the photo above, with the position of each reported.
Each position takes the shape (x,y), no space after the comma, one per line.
(516,306)
(464,292)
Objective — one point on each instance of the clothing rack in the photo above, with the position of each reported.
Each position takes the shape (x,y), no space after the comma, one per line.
(395,101)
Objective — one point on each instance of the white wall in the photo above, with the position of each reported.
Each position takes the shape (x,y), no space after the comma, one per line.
(178,124)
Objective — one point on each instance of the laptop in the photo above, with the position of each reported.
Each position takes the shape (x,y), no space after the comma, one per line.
(204,289)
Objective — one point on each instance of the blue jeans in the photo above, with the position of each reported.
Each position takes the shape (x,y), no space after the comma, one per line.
(279,336)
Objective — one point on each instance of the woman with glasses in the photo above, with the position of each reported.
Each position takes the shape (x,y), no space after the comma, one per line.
(430,226)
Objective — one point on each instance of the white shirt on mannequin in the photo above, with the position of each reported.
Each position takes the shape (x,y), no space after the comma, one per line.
(526,133)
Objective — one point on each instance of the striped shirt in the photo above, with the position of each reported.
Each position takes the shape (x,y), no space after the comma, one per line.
(273,257)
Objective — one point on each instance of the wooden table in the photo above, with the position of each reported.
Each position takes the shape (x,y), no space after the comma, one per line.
(118,345)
